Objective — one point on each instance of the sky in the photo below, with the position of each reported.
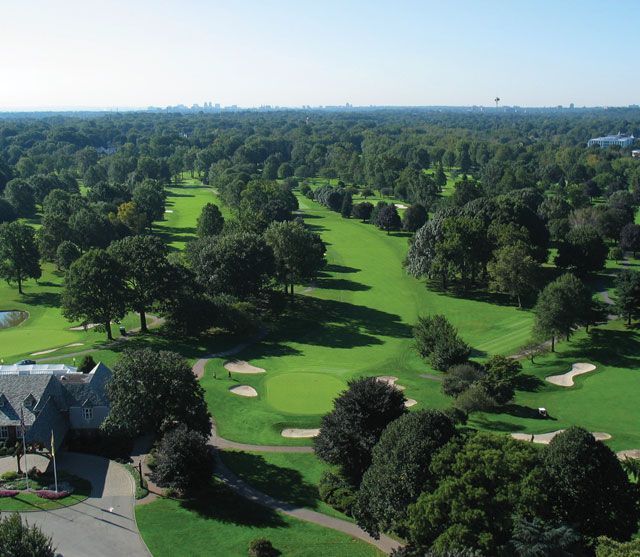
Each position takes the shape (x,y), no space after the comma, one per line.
(139,53)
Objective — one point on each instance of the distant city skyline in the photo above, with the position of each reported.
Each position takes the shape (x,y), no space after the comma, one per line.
(131,55)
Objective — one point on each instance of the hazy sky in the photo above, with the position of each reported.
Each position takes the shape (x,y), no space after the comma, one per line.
(135,53)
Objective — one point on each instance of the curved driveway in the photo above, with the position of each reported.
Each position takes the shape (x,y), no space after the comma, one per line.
(102,526)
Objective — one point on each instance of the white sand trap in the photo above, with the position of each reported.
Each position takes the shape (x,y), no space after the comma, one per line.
(566,379)
(390,380)
(168,211)
(74,344)
(44,352)
(240,366)
(244,390)
(400,205)
(83,327)
(545,438)
(410,402)
(300,433)
(629,453)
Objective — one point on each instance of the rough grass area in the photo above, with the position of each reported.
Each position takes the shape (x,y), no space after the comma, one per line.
(220,522)
(289,477)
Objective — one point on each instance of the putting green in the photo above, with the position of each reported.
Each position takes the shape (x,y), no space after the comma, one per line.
(303,393)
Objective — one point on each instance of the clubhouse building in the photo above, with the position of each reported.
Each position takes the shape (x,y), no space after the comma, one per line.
(51,397)
(620,140)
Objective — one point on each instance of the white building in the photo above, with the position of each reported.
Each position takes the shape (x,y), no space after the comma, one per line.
(621,140)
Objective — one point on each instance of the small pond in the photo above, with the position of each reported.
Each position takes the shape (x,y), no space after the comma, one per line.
(12,318)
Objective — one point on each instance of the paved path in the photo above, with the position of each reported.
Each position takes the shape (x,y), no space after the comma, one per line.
(102,526)
(385,543)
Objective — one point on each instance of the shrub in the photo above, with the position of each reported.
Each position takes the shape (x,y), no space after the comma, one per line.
(9,475)
(87,364)
(437,340)
(262,547)
(460,377)
(474,399)
(335,491)
(616,253)
(51,495)
(8,492)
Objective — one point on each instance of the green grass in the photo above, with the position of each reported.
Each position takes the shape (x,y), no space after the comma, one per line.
(141,490)
(289,477)
(603,400)
(27,502)
(220,522)
(288,392)
(357,321)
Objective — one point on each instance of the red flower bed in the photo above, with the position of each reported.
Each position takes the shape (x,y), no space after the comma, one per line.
(8,492)
(52,495)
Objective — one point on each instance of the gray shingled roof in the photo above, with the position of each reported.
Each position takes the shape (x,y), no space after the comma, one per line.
(16,389)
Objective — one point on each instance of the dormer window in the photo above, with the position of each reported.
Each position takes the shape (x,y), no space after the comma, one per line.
(30,401)
(3,400)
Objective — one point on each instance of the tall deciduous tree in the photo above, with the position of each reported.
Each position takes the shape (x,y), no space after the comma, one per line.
(146,271)
(563,304)
(350,431)
(151,391)
(149,197)
(627,292)
(298,252)
(588,487)
(210,221)
(583,250)
(94,290)
(399,470)
(414,217)
(513,271)
(19,256)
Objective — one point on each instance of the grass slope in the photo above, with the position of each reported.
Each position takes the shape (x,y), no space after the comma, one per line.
(356,321)
(220,522)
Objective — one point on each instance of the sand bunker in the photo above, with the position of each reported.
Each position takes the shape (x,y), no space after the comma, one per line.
(566,379)
(390,380)
(44,352)
(410,402)
(74,344)
(400,205)
(168,211)
(244,390)
(545,438)
(240,366)
(85,327)
(629,453)
(300,433)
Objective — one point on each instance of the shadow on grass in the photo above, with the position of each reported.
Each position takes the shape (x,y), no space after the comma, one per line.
(341,284)
(333,268)
(219,502)
(47,299)
(284,484)
(528,382)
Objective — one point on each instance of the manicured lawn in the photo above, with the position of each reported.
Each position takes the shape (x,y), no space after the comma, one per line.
(220,522)
(603,400)
(26,502)
(288,392)
(289,477)
(356,321)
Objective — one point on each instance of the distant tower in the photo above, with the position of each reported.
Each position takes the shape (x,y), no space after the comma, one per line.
(497,99)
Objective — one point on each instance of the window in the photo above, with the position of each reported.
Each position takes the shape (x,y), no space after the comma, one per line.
(87,414)
(4,432)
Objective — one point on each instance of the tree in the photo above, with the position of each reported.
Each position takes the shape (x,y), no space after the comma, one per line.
(414,218)
(90,229)
(18,539)
(132,217)
(460,377)
(362,211)
(94,290)
(630,238)
(535,538)
(66,254)
(481,483)
(440,177)
(7,212)
(19,256)
(583,250)
(399,470)
(184,460)
(501,377)
(347,206)
(87,364)
(210,221)
(437,340)
(238,263)
(580,469)
(298,252)
(611,548)
(350,431)
(143,260)
(388,218)
(562,305)
(167,393)
(513,271)
(149,198)
(20,195)
(627,293)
